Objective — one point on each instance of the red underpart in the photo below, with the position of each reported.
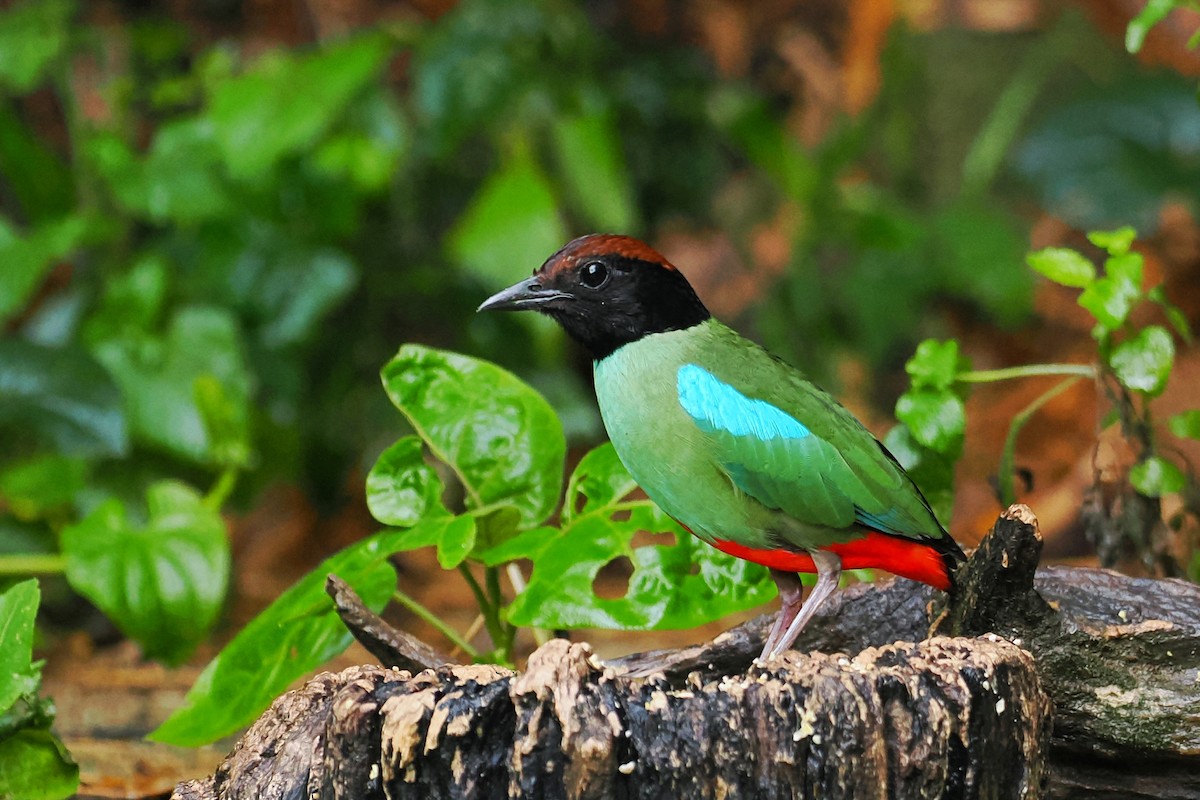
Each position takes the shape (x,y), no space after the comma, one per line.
(904,557)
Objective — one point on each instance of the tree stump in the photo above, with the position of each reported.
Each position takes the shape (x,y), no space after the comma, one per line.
(853,713)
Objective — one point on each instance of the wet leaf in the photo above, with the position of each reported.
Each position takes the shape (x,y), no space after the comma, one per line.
(61,397)
(499,436)
(1111,298)
(1143,362)
(19,676)
(401,488)
(600,479)
(163,582)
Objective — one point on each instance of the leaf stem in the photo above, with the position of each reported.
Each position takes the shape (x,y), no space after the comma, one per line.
(507,630)
(221,489)
(33,564)
(490,611)
(1008,455)
(427,615)
(1026,371)
(517,579)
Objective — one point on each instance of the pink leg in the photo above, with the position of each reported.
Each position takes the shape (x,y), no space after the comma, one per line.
(791,592)
(829,572)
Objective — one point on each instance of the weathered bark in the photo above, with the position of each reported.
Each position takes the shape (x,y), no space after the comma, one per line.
(1118,660)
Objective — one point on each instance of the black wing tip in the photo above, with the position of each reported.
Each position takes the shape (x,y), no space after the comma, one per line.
(952,557)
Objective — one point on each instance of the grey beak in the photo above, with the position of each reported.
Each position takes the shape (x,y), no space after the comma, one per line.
(524,295)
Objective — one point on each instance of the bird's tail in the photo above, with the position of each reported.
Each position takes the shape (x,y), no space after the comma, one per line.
(952,558)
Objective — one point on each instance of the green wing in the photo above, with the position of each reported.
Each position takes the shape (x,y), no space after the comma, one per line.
(812,460)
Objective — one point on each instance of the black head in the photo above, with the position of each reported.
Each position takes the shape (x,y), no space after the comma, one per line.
(606,291)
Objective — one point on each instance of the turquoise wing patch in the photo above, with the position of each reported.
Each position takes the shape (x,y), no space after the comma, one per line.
(769,454)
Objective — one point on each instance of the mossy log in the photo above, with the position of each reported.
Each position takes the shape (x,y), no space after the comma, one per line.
(1070,683)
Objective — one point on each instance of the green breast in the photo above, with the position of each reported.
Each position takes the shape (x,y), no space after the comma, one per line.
(661,446)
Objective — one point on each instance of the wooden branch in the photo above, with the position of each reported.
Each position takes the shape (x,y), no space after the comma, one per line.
(1116,658)
(392,647)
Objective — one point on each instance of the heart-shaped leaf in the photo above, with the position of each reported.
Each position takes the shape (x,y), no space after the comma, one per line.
(401,487)
(163,582)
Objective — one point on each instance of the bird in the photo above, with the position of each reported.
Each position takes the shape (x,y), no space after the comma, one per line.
(733,443)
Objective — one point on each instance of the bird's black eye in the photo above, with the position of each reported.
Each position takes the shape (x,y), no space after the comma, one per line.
(593,274)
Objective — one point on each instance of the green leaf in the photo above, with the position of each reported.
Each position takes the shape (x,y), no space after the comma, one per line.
(179,181)
(1185,424)
(600,479)
(285,103)
(672,586)
(27,259)
(34,486)
(18,612)
(501,438)
(456,541)
(369,153)
(510,226)
(1151,14)
(163,582)
(401,488)
(1116,242)
(158,375)
(935,365)
(1111,298)
(132,301)
(294,635)
(1143,362)
(588,150)
(34,765)
(1157,476)
(526,544)
(1175,316)
(493,527)
(1063,266)
(33,34)
(61,397)
(937,419)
